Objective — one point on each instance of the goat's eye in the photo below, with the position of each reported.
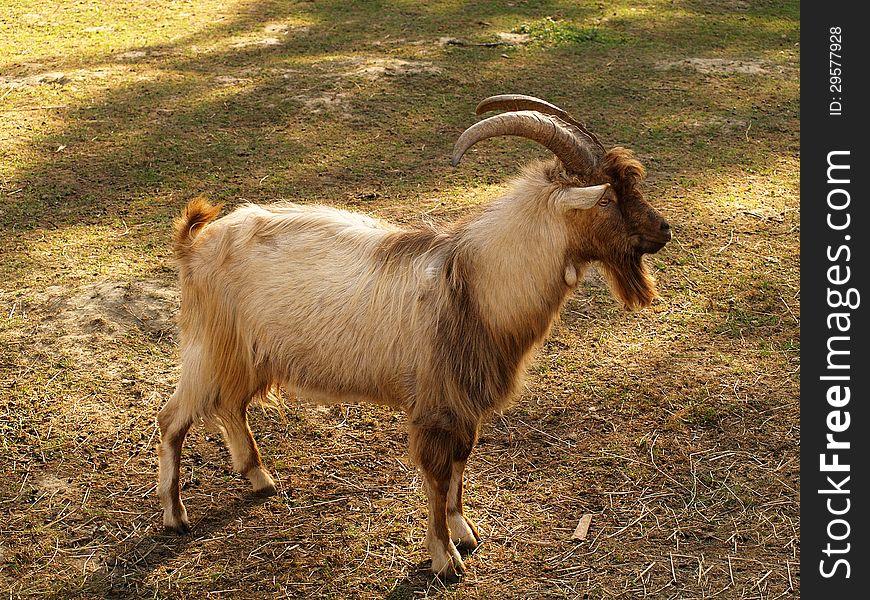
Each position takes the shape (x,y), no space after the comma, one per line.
(605,200)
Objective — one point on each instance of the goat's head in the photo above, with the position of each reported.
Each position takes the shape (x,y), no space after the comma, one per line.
(597,191)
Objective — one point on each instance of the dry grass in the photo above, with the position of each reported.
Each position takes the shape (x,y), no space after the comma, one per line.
(676,428)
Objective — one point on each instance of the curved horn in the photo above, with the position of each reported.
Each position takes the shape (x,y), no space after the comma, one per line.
(547,130)
(514,102)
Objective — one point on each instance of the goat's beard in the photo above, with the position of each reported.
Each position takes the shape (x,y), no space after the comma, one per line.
(630,280)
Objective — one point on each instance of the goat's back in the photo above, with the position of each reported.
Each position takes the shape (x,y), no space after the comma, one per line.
(297,295)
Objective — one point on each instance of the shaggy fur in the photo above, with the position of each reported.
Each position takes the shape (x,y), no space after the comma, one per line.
(438,322)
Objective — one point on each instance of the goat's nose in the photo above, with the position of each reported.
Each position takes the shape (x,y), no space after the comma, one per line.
(666,229)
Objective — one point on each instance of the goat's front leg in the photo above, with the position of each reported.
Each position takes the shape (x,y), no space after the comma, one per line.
(463,531)
(446,561)
(433,450)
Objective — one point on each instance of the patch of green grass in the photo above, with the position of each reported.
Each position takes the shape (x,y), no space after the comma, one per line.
(552,32)
(740,322)
(703,415)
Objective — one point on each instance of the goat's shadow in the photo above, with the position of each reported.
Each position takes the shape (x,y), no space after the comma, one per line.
(421,581)
(417,583)
(126,569)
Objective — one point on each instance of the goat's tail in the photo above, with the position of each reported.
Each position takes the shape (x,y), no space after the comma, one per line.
(196,215)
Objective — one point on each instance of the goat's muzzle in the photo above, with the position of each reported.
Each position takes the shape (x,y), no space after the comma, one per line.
(650,244)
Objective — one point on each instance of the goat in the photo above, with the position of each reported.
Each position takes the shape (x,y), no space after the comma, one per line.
(437,321)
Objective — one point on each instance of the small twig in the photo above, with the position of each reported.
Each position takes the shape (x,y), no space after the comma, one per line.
(763,577)
(521,540)
(618,531)
(53,377)
(788,308)
(23,483)
(645,571)
(307,506)
(703,573)
(656,467)
(731,239)
(544,433)
(350,483)
(457,42)
(129,310)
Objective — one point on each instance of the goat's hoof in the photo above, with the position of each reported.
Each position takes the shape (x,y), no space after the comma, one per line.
(451,577)
(451,573)
(449,568)
(262,482)
(180,528)
(266,491)
(175,520)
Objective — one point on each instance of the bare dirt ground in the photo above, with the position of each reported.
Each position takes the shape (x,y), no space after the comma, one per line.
(676,428)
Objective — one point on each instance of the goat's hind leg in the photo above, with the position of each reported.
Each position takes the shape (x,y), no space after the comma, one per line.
(243,448)
(174,424)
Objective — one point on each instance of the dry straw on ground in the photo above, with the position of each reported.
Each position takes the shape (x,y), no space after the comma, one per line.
(675,428)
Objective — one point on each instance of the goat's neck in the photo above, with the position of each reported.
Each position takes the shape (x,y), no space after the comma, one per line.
(518,253)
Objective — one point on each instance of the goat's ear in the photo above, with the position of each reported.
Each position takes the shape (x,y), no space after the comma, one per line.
(569,198)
